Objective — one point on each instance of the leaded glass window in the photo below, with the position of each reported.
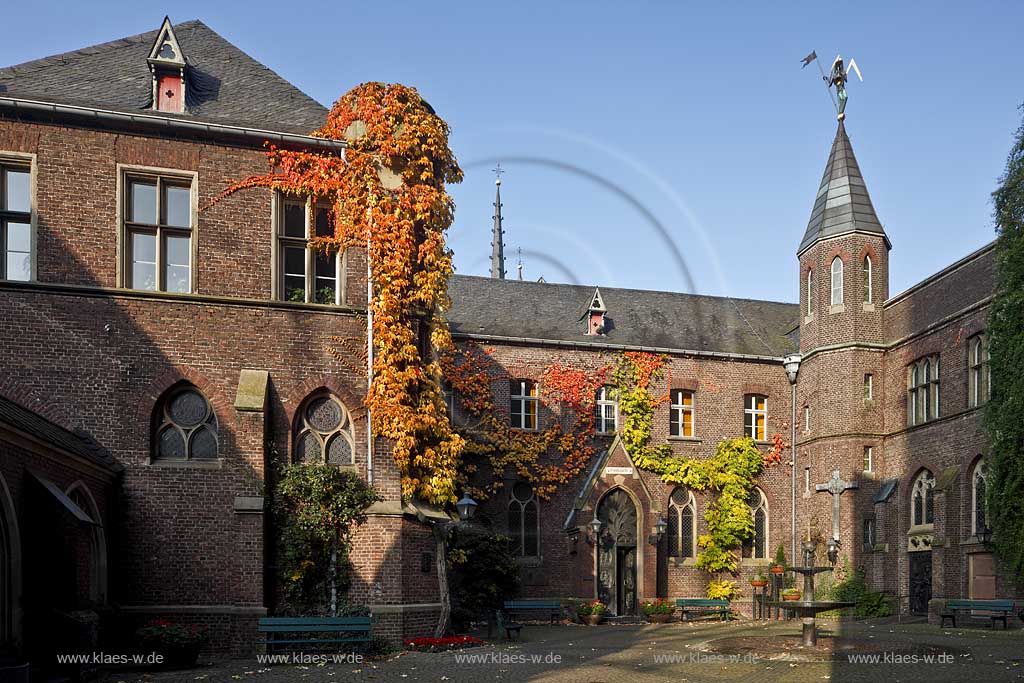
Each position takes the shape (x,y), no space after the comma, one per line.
(186,426)
(524,520)
(681,518)
(837,281)
(923,390)
(923,499)
(324,432)
(756,546)
(979,522)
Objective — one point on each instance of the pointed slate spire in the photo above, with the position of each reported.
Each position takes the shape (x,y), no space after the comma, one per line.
(498,237)
(843,204)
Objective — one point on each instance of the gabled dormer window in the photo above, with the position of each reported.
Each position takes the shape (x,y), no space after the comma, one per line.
(167,64)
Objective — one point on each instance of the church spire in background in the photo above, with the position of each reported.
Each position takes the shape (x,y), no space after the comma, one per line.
(498,236)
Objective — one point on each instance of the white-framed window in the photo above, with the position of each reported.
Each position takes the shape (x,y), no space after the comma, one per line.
(837,281)
(755,417)
(810,292)
(868,279)
(305,274)
(922,499)
(523,404)
(756,547)
(978,389)
(869,459)
(869,386)
(681,414)
(979,521)
(524,520)
(682,524)
(807,418)
(606,411)
(923,390)
(16,220)
(158,216)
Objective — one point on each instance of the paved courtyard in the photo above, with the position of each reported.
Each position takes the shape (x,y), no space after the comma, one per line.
(671,652)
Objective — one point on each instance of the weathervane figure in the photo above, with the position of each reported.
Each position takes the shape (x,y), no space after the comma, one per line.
(836,78)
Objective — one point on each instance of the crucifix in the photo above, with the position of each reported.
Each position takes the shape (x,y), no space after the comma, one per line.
(835,486)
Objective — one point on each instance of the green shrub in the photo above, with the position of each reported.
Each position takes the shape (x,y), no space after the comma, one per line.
(483,574)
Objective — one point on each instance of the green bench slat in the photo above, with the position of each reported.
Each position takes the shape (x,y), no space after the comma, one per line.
(314,629)
(701,602)
(313,621)
(990,605)
(533,605)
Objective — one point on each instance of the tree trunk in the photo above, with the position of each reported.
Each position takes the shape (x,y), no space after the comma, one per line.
(442,578)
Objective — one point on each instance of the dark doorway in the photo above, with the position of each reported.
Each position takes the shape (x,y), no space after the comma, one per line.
(920,581)
(617,553)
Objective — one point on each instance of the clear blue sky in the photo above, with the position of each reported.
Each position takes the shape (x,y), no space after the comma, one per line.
(699,113)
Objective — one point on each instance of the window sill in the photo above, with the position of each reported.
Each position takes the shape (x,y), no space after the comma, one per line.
(188,464)
(682,561)
(921,530)
(685,439)
(808,318)
(869,474)
(837,308)
(869,308)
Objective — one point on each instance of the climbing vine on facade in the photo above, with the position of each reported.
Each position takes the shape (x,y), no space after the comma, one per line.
(387,194)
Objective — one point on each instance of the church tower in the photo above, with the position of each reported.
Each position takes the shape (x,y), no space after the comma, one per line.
(844,282)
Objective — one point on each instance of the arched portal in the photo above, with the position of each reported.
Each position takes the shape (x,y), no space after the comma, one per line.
(617,553)
(10,572)
(97,546)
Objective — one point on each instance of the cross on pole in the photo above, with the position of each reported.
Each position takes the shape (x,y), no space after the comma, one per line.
(497,170)
(835,486)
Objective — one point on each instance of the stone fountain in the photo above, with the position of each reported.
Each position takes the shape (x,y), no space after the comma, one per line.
(807,607)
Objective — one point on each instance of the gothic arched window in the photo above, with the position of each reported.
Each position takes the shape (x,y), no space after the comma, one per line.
(682,529)
(837,281)
(323,431)
(979,522)
(922,499)
(756,546)
(185,426)
(524,520)
(606,411)
(868,280)
(810,292)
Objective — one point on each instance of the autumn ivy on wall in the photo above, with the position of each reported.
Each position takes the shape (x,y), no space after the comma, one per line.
(387,194)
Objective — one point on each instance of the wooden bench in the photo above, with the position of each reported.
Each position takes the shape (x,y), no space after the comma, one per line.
(553,608)
(997,610)
(704,606)
(334,629)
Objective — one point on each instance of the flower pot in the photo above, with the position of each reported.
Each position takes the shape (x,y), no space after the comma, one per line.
(791,597)
(659,618)
(593,619)
(758,583)
(776,569)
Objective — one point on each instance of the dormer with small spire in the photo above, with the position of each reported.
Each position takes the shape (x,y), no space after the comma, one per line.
(167,64)
(595,314)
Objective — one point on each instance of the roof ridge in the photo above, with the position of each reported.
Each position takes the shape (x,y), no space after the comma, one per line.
(49,60)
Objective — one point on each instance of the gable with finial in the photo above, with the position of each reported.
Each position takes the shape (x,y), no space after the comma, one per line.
(595,314)
(167,64)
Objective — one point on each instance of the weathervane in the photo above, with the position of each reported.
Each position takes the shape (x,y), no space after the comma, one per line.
(837,77)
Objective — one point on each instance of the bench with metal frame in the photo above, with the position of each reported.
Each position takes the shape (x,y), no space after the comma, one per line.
(997,610)
(704,606)
(336,629)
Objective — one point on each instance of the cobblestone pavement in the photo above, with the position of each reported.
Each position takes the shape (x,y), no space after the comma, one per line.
(639,654)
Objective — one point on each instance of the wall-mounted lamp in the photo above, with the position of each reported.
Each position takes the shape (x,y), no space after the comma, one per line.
(595,531)
(658,531)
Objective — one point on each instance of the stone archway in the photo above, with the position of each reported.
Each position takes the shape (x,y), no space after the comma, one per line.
(618,553)
(80,494)
(10,572)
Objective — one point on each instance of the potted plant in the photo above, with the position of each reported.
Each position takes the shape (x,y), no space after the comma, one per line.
(178,644)
(779,563)
(658,611)
(791,594)
(592,612)
(759,580)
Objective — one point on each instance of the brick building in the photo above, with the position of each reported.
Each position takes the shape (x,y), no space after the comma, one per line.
(159,357)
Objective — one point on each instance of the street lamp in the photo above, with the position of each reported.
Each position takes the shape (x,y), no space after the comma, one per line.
(792,365)
(466,507)
(595,530)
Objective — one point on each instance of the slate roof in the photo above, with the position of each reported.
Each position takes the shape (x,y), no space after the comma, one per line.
(842,204)
(635,318)
(225,85)
(29,422)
